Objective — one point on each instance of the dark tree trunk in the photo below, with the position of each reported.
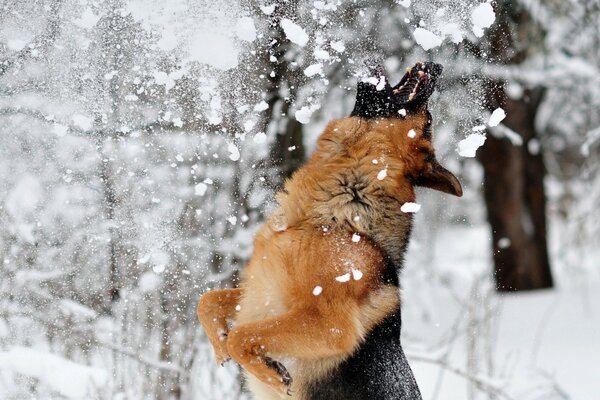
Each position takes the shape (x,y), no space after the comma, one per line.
(514,174)
(515,199)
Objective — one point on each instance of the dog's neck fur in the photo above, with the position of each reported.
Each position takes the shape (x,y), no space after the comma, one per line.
(330,193)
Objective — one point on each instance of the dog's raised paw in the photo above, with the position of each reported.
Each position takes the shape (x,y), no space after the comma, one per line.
(286,378)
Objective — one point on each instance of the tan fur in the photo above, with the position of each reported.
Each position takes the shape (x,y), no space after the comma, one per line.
(308,243)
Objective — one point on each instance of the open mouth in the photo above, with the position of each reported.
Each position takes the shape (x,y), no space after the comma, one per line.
(417,84)
(376,98)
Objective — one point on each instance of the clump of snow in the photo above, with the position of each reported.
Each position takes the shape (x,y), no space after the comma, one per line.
(313,69)
(402,112)
(317,290)
(404,3)
(426,39)
(83,122)
(234,153)
(355,237)
(469,145)
(200,189)
(338,46)
(343,278)
(497,116)
(504,243)
(482,17)
(262,106)
(409,207)
(294,32)
(268,10)
(411,134)
(260,137)
(232,220)
(303,115)
(357,274)
(382,174)
(245,29)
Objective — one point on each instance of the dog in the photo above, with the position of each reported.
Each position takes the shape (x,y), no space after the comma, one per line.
(317,312)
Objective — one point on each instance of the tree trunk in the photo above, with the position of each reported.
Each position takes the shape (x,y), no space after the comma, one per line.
(515,198)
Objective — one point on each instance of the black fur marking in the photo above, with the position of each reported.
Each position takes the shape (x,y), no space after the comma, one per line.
(286,378)
(378,370)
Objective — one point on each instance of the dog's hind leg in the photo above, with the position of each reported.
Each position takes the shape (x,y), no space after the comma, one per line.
(214,309)
(300,333)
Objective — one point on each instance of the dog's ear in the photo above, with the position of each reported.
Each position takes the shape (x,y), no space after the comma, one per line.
(439,178)
(373,95)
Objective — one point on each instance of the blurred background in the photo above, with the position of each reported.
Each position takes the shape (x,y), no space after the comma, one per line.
(142,141)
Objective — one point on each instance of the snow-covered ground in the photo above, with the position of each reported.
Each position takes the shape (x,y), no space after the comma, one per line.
(529,345)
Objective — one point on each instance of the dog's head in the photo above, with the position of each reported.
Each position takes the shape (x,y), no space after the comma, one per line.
(391,128)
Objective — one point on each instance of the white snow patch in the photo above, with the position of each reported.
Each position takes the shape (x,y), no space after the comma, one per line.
(411,134)
(338,46)
(268,10)
(69,379)
(497,116)
(234,153)
(303,115)
(260,137)
(402,112)
(426,39)
(317,290)
(313,69)
(83,122)
(404,3)
(262,106)
(149,282)
(215,49)
(87,20)
(232,220)
(200,189)
(245,29)
(482,17)
(469,145)
(355,237)
(343,278)
(410,207)
(357,274)
(382,174)
(294,32)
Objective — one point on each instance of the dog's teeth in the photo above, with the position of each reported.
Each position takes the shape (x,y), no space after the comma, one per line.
(411,96)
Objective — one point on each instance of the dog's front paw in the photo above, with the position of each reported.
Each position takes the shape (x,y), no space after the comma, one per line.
(221,353)
(284,375)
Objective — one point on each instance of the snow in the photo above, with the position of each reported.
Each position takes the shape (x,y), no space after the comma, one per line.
(83,122)
(304,114)
(262,106)
(482,17)
(343,278)
(426,39)
(411,133)
(404,3)
(356,274)
(469,145)
(409,207)
(355,237)
(497,116)
(338,46)
(317,290)
(245,29)
(294,32)
(382,174)
(268,10)
(69,379)
(216,49)
(314,69)
(234,152)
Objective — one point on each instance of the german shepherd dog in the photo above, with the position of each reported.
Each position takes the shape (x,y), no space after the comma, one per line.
(319,300)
